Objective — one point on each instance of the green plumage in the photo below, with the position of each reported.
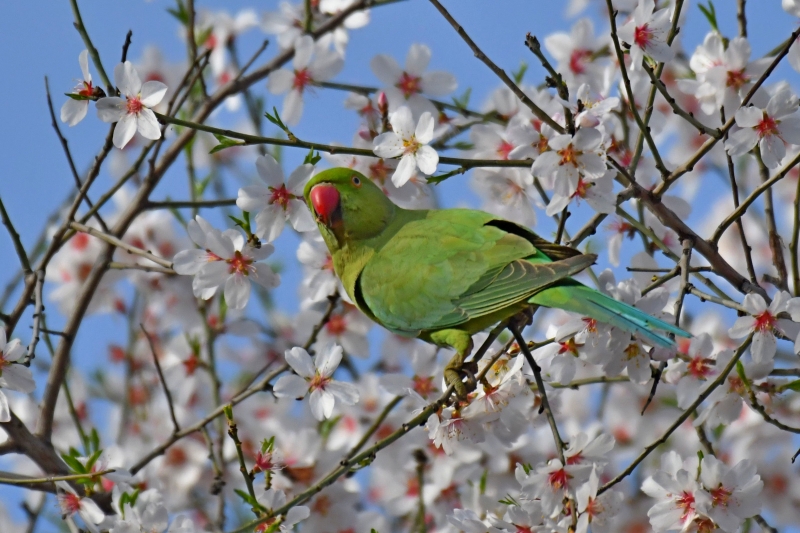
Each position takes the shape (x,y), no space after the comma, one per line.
(443,275)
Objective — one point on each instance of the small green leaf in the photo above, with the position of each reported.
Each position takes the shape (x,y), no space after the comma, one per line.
(77,96)
(311,158)
(484,477)
(224,142)
(519,74)
(276,119)
(73,464)
(200,186)
(179,13)
(463,145)
(92,460)
(201,37)
(792,385)
(326,426)
(462,101)
(267,445)
(247,498)
(94,439)
(711,14)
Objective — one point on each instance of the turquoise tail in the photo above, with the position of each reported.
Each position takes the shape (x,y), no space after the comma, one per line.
(578,298)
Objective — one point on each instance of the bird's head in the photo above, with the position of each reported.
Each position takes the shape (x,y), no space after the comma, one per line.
(347,205)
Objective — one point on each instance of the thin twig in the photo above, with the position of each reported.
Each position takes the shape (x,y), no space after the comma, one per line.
(194,204)
(126,45)
(233,433)
(367,456)
(38,315)
(748,251)
(689,164)
(15,239)
(681,418)
(683,266)
(68,153)
(775,241)
(537,375)
(114,241)
(145,268)
(334,149)
(540,113)
(93,53)
(167,393)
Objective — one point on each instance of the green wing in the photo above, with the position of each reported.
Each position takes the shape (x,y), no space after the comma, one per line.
(451,267)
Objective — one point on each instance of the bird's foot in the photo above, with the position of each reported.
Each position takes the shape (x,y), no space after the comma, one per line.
(523,318)
(454,374)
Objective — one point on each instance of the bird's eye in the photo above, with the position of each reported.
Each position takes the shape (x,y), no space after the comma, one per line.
(356,181)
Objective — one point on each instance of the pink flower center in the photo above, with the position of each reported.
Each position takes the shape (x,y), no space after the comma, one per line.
(699,368)
(239,264)
(578,59)
(410,146)
(135,105)
(504,149)
(336,325)
(591,324)
(379,171)
(318,382)
(558,479)
(281,196)
(569,156)
(768,126)
(568,346)
(191,364)
(409,85)
(88,89)
(737,79)
(632,351)
(720,496)
(301,79)
(581,189)
(70,503)
(765,322)
(642,36)
(423,385)
(686,502)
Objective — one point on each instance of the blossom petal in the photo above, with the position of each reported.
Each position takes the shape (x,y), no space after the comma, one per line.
(264,276)
(404,171)
(386,69)
(237,291)
(152,93)
(124,130)
(387,144)
(346,393)
(328,359)
(127,79)
(321,403)
(111,109)
(300,361)
(270,222)
(280,81)
(438,83)
(5,412)
(73,111)
(424,129)
(189,262)
(292,107)
(290,386)
(417,59)
(427,159)
(147,124)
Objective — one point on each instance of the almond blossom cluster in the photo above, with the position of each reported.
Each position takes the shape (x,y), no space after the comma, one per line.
(186,359)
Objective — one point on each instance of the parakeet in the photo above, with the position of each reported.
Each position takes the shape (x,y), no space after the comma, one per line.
(444,275)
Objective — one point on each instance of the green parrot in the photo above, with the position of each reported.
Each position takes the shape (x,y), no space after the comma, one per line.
(444,275)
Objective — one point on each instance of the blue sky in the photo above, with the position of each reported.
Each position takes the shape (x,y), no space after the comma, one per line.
(38,40)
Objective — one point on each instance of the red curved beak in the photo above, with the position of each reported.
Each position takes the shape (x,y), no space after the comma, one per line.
(325,200)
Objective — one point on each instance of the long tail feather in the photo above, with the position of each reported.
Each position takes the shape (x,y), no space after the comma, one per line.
(589,302)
